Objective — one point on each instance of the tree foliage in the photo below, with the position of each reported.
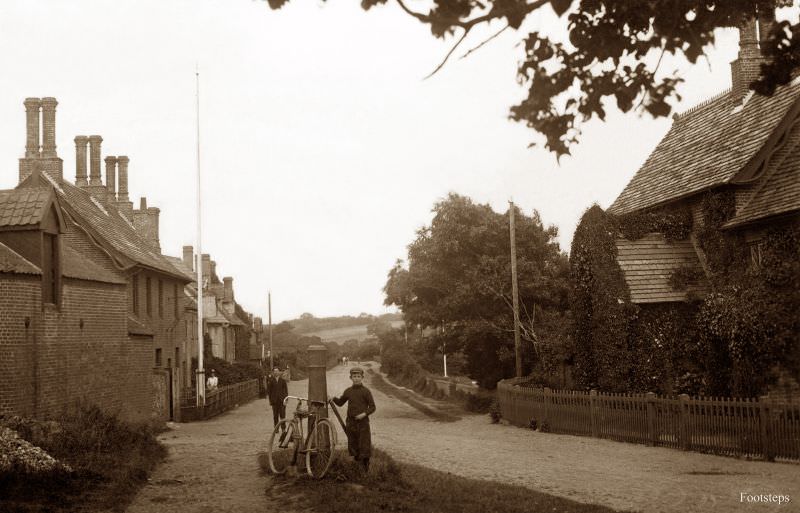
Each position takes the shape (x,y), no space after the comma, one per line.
(611,53)
(458,279)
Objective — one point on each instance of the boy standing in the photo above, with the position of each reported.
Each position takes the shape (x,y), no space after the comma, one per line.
(359,406)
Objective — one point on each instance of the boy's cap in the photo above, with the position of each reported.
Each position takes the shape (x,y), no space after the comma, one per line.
(356,370)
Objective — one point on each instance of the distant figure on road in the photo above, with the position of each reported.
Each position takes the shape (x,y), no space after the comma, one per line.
(277,390)
(344,361)
(212,382)
(359,406)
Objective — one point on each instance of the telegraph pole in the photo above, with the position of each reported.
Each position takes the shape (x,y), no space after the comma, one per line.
(200,378)
(514,290)
(269,314)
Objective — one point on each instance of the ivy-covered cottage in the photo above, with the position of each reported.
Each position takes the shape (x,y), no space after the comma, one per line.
(689,282)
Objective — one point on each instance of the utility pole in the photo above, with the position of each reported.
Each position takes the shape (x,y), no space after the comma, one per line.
(269,314)
(200,379)
(514,290)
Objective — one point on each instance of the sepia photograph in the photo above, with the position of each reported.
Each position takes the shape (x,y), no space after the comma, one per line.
(421,256)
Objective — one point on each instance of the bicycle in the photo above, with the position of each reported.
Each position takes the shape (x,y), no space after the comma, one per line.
(287,439)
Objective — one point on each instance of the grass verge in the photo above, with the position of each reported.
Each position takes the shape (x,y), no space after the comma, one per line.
(111,460)
(393,486)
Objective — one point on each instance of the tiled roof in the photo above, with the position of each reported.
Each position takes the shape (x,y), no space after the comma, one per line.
(232,318)
(114,229)
(23,207)
(648,263)
(13,262)
(178,264)
(779,192)
(705,147)
(75,265)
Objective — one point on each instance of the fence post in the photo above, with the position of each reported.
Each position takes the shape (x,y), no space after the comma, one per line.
(683,429)
(651,418)
(593,411)
(546,416)
(764,422)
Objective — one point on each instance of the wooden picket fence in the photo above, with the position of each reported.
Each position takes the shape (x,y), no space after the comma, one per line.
(219,400)
(755,428)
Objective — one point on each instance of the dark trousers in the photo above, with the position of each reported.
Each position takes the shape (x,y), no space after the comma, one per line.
(359,439)
(278,412)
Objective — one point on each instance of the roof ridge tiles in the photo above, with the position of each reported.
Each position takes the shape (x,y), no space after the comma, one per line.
(691,110)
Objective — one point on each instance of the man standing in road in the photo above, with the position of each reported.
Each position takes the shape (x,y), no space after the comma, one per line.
(277,391)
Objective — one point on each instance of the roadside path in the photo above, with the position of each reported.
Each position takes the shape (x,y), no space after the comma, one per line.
(619,475)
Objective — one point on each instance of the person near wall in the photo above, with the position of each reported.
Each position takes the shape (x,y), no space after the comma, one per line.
(212,382)
(277,390)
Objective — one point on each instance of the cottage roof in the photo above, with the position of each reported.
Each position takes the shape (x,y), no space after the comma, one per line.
(24,207)
(778,192)
(232,318)
(648,263)
(108,224)
(75,265)
(13,262)
(179,266)
(707,146)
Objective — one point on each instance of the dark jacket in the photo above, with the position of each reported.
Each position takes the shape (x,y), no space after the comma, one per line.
(276,390)
(359,400)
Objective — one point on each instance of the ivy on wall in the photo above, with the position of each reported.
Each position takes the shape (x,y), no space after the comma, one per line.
(673,224)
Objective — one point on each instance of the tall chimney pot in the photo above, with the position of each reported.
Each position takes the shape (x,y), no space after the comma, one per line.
(32,107)
(188,257)
(111,178)
(94,160)
(80,160)
(122,194)
(228,281)
(49,127)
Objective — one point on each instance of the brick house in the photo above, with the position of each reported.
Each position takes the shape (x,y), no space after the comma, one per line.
(124,340)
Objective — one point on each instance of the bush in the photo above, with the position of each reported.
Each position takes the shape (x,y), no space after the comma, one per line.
(478,403)
(230,373)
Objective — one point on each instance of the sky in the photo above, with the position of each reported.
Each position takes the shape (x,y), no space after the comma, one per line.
(322,149)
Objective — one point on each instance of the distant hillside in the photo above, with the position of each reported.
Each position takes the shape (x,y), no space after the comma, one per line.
(346,333)
(308,324)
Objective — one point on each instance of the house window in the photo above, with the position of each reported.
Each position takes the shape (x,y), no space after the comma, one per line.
(50,268)
(135,289)
(160,299)
(158,357)
(175,295)
(148,290)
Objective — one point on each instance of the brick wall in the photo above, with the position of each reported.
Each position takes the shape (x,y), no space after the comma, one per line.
(78,351)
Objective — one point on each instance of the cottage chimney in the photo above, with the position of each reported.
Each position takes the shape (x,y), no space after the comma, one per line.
(81,141)
(747,67)
(145,221)
(124,203)
(49,127)
(32,107)
(228,281)
(212,273)
(206,261)
(766,21)
(94,160)
(111,179)
(188,257)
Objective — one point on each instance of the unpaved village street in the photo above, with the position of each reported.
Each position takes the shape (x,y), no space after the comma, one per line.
(212,465)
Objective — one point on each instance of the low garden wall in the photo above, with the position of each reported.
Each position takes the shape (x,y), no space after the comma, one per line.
(220,400)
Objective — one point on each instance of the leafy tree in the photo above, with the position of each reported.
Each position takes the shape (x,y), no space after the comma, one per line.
(458,280)
(607,52)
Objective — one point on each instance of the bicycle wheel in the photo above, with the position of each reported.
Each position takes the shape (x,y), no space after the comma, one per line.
(320,448)
(282,446)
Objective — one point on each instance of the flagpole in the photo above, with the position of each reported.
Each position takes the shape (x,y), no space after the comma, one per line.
(201,381)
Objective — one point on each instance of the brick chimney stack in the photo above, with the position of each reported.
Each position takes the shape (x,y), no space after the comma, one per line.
(94,160)
(228,281)
(44,158)
(124,203)
(111,179)
(145,221)
(32,107)
(205,261)
(747,67)
(188,257)
(81,141)
(49,125)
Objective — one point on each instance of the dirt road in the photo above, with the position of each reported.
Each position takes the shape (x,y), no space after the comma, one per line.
(212,465)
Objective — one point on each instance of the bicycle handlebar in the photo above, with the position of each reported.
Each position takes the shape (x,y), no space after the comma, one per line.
(301,399)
